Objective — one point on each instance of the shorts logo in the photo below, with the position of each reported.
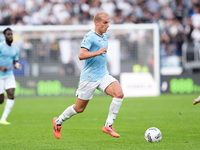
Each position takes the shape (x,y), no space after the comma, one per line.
(81,95)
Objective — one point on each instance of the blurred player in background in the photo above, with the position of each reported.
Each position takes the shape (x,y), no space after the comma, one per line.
(94,76)
(9,55)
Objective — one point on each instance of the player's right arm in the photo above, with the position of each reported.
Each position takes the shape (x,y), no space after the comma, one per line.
(15,60)
(85,54)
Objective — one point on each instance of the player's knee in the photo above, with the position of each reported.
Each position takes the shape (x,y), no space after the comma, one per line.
(11,96)
(119,95)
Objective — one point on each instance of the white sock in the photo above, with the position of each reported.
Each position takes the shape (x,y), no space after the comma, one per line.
(7,109)
(68,113)
(113,111)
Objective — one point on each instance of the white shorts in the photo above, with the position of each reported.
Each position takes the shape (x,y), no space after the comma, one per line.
(86,89)
(7,83)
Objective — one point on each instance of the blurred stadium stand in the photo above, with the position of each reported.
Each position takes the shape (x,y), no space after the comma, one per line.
(179,21)
(44,56)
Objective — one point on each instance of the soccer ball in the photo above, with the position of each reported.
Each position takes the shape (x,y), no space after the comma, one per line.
(153,134)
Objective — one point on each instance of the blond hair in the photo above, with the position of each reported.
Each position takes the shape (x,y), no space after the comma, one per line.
(98,15)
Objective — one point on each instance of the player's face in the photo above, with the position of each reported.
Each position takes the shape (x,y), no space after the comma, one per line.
(9,36)
(103,24)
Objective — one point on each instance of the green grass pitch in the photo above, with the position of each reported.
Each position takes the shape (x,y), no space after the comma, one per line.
(174,115)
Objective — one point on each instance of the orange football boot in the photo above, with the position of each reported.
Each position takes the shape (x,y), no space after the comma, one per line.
(56,129)
(196,101)
(110,130)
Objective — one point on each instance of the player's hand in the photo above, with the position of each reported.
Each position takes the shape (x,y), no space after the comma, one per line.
(20,67)
(4,69)
(102,50)
(17,65)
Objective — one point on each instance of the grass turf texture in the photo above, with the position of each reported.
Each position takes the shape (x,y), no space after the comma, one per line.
(32,129)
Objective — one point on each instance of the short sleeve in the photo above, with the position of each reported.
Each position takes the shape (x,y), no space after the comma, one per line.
(86,43)
(16,57)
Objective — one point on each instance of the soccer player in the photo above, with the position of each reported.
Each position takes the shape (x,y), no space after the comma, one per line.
(94,76)
(196,101)
(9,55)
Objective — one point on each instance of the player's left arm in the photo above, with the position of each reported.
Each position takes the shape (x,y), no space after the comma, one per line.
(15,60)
